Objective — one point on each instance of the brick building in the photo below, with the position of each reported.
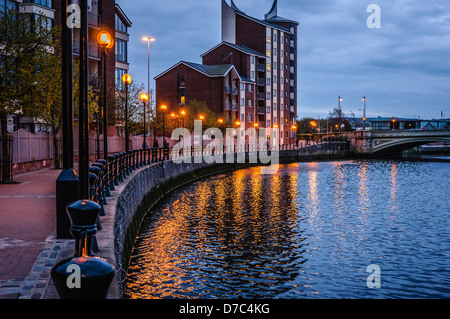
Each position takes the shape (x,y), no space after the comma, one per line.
(103,15)
(250,77)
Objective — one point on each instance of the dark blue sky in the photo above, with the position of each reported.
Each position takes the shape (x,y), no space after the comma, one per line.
(403,68)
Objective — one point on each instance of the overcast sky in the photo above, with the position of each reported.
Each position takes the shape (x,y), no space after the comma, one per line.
(403,68)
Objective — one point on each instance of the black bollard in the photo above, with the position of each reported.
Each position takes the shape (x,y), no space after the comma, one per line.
(83,277)
(66,193)
(111,176)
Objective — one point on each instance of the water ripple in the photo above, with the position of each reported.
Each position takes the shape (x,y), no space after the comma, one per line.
(309,231)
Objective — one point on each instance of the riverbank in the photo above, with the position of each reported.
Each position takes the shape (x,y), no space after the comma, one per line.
(131,193)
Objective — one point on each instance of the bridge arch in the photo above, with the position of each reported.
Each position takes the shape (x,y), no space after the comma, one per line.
(394,143)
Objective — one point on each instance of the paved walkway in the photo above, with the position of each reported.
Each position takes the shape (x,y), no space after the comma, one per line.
(27,227)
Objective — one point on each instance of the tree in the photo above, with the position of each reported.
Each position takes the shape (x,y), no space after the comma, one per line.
(29,69)
(337,117)
(135,108)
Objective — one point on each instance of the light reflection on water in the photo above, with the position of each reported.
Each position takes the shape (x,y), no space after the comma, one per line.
(309,231)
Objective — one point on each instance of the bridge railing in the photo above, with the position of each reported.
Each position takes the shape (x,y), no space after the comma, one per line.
(410,133)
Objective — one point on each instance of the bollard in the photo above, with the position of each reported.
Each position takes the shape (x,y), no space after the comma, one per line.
(111,175)
(101,181)
(83,276)
(104,177)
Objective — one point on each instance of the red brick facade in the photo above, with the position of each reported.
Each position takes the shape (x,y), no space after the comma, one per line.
(262,88)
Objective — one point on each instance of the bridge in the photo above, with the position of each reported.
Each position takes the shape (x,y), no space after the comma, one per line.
(393,143)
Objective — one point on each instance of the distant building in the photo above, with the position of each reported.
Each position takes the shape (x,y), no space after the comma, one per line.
(250,77)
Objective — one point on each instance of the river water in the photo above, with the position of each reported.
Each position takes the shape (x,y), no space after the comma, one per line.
(310,231)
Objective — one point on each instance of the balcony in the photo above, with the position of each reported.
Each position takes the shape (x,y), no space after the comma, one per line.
(261,110)
(227,89)
(234,107)
(234,90)
(94,20)
(261,82)
(227,106)
(261,96)
(261,67)
(93,49)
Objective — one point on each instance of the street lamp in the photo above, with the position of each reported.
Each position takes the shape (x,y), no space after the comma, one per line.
(183,113)
(106,42)
(144,99)
(364,116)
(126,79)
(164,108)
(148,39)
(340,113)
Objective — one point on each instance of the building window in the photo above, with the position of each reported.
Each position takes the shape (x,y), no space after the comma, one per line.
(274,79)
(268,67)
(274,52)
(122,50)
(268,123)
(274,65)
(274,37)
(250,117)
(274,92)
(292,30)
(242,102)
(44,3)
(268,52)
(250,88)
(182,100)
(242,87)
(268,95)
(242,117)
(250,103)
(252,74)
(120,26)
(268,110)
(252,59)
(268,39)
(275,107)
(119,74)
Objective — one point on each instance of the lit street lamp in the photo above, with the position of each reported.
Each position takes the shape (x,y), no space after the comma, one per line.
(364,116)
(106,42)
(126,79)
(144,99)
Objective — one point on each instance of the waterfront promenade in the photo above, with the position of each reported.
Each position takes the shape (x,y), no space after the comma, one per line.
(27,227)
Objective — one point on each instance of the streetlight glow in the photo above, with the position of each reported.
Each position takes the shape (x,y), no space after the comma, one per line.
(126,79)
(105,40)
(144,97)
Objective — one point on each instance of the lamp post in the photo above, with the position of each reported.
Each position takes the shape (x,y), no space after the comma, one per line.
(164,108)
(364,116)
(144,99)
(106,42)
(148,39)
(126,79)
(340,113)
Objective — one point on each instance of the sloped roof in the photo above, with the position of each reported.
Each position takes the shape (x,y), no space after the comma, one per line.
(211,70)
(241,48)
(208,70)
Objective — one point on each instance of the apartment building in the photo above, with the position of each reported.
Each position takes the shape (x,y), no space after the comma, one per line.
(103,15)
(259,85)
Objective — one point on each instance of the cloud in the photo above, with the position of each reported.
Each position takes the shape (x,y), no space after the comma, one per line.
(403,67)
